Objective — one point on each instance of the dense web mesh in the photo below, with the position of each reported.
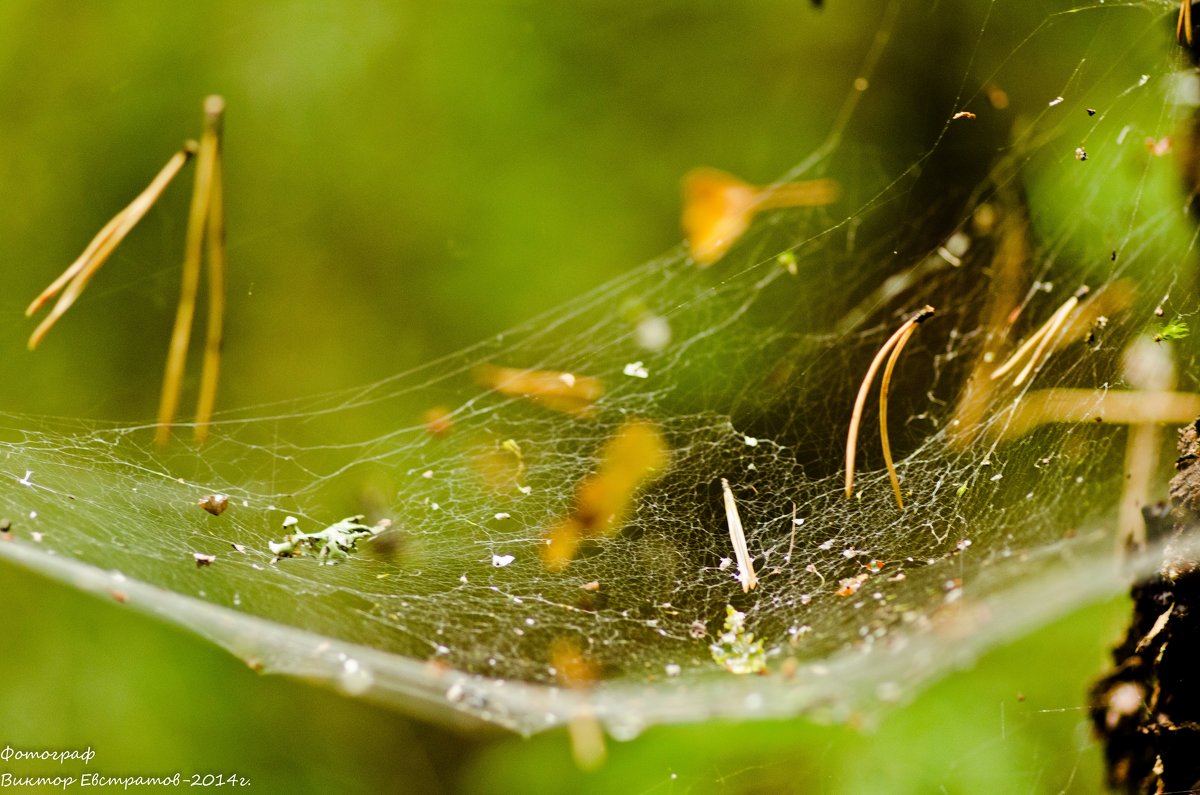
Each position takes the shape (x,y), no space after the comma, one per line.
(1011,511)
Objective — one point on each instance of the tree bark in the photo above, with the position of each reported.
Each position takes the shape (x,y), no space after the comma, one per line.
(1146,710)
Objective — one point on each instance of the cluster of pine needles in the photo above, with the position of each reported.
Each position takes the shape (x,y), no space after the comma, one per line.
(205,242)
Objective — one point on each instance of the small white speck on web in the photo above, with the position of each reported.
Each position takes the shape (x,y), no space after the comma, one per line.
(673,669)
(525,489)
(36,536)
(290,521)
(33,514)
(828,545)
(725,563)
(751,441)
(1056,101)
(25,481)
(636,370)
(567,378)
(798,522)
(428,473)
(501,516)
(500,561)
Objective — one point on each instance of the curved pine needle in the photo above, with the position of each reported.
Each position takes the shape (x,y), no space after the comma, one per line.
(193,249)
(76,277)
(1183,25)
(884,385)
(861,399)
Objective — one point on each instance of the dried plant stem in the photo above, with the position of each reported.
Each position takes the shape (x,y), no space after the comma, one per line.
(193,250)
(216,298)
(1183,26)
(864,388)
(76,277)
(884,386)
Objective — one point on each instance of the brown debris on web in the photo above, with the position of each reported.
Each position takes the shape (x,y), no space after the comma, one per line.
(718,207)
(559,391)
(634,455)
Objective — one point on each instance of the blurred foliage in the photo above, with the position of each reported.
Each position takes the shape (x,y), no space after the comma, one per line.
(402,180)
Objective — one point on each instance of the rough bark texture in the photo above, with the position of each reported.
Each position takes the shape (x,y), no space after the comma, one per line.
(1147,709)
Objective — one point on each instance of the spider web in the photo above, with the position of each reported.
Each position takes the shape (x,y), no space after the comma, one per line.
(452,613)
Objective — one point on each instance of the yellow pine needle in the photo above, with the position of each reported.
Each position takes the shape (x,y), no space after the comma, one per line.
(76,277)
(216,288)
(1183,26)
(864,388)
(193,249)
(1038,342)
(884,387)
(737,535)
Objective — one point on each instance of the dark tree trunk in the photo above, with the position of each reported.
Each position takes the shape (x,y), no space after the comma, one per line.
(1147,709)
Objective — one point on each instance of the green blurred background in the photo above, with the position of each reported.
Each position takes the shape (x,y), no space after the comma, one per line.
(402,180)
